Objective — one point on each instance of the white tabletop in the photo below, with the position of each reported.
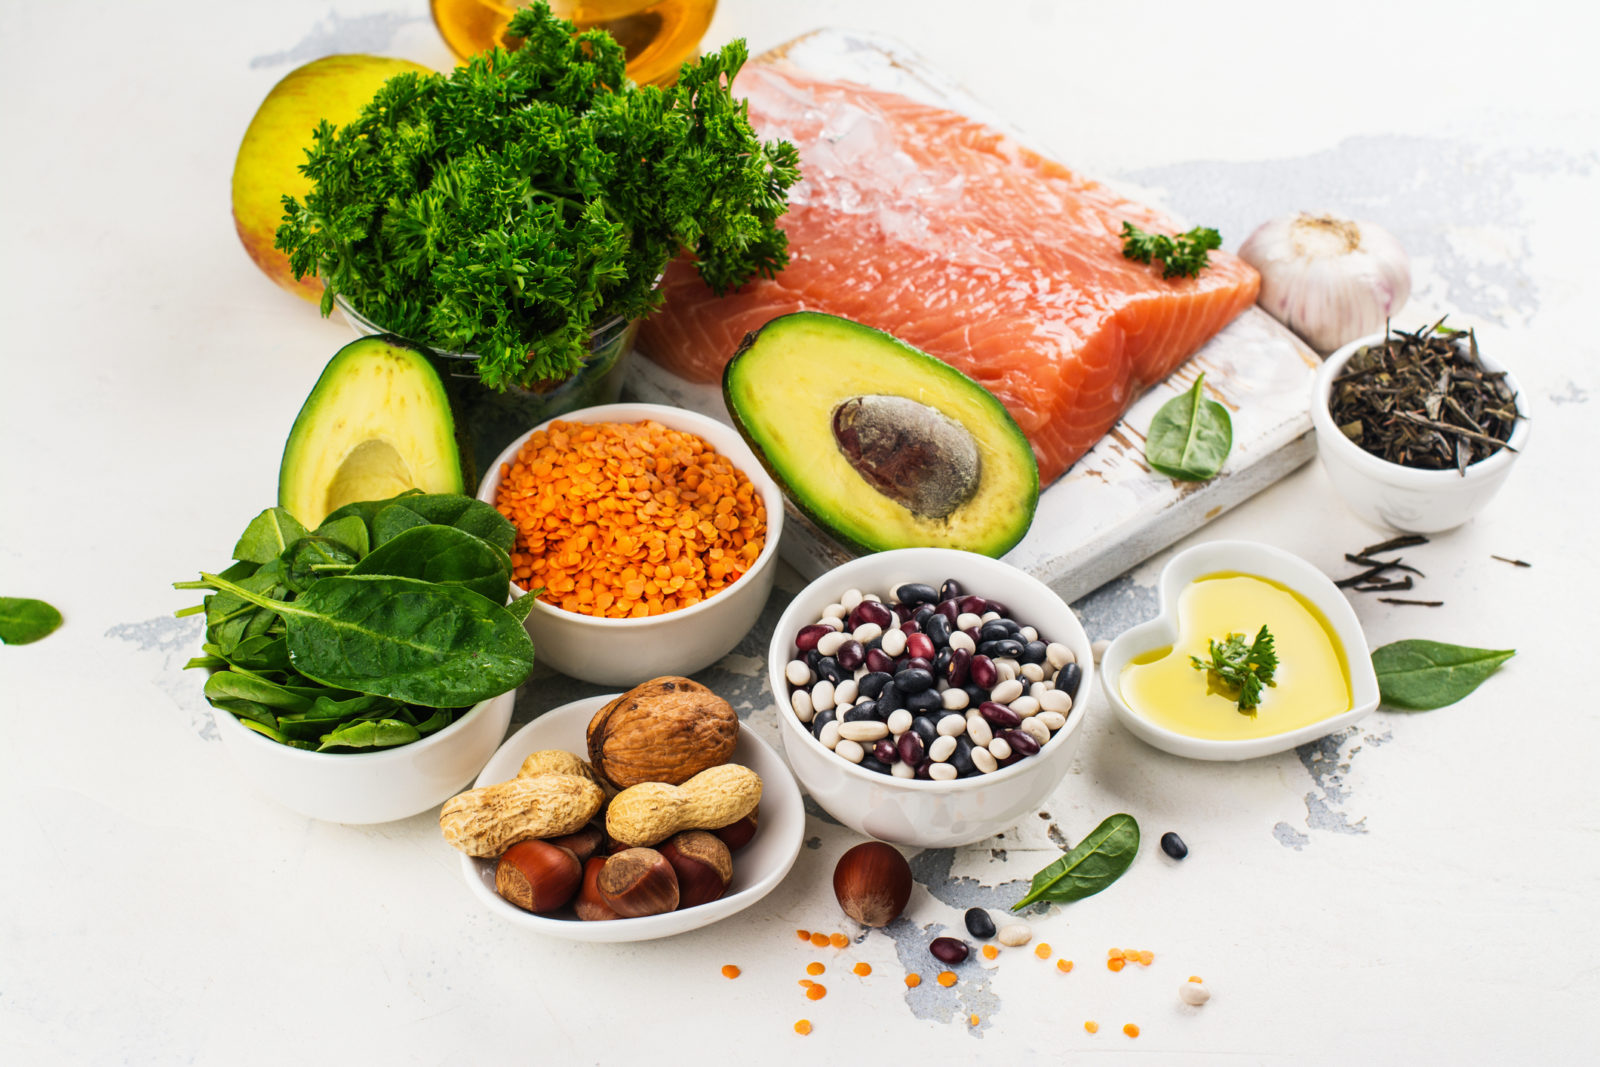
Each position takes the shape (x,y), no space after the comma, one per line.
(1420,889)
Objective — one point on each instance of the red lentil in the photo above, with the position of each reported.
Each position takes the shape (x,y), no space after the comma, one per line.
(730,971)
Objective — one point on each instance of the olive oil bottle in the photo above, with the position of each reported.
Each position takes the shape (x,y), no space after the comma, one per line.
(658,35)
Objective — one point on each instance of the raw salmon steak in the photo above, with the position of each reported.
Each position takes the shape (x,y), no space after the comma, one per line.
(957,239)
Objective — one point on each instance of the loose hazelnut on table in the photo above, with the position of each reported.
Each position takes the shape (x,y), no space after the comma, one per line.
(538,876)
(872,882)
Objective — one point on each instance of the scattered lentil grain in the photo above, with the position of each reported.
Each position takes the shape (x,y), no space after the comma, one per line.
(839,941)
(913,980)
(1130,1029)
(1042,950)
(1091,1026)
(947,978)
(803,1027)
(817,991)
(819,939)
(990,952)
(863,969)
(1116,963)
(815,968)
(804,935)
(1063,966)
(730,971)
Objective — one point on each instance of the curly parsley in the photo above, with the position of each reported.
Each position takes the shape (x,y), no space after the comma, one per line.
(1246,668)
(1184,255)
(507,208)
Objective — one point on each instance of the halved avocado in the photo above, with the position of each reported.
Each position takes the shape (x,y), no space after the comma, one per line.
(376,424)
(881,445)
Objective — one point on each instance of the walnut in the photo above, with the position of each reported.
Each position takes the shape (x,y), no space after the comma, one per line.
(665,730)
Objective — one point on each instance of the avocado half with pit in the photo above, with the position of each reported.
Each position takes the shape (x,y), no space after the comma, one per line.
(881,445)
(376,424)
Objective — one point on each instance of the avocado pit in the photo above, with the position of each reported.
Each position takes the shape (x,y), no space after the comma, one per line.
(913,454)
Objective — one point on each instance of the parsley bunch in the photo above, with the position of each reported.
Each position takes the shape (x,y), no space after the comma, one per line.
(1246,668)
(1182,255)
(507,208)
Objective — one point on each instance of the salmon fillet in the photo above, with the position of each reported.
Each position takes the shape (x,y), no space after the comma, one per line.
(955,238)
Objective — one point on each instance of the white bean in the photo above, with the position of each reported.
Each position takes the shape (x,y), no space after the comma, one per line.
(1006,692)
(1030,634)
(966,621)
(874,597)
(999,748)
(1056,700)
(1038,689)
(899,721)
(894,643)
(1193,993)
(1032,672)
(942,772)
(863,730)
(902,769)
(959,640)
(1036,730)
(984,761)
(942,748)
(1058,655)
(800,701)
(979,730)
(867,631)
(822,695)
(828,644)
(1025,706)
(989,616)
(1099,648)
(1007,669)
(830,733)
(954,699)
(851,599)
(844,693)
(850,750)
(835,611)
(1053,720)
(831,622)
(952,725)
(1014,935)
(797,672)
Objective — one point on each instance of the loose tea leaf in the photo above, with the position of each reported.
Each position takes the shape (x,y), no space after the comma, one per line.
(1190,437)
(24,620)
(1420,675)
(1100,859)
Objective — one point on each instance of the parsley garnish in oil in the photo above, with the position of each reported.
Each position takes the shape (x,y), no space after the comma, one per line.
(1183,255)
(509,207)
(1244,667)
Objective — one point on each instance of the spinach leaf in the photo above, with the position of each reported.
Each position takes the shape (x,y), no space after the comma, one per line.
(1190,437)
(445,509)
(242,685)
(1099,860)
(368,733)
(365,510)
(350,531)
(314,557)
(231,620)
(443,555)
(1421,675)
(264,652)
(268,534)
(241,570)
(24,620)
(522,607)
(434,645)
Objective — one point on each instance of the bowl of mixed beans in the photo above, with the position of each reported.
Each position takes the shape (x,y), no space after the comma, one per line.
(648,534)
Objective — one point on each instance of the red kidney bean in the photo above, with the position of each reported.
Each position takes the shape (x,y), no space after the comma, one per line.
(884,751)
(1013,758)
(922,770)
(910,748)
(949,610)
(1021,743)
(973,605)
(879,660)
(972,632)
(808,636)
(984,672)
(949,949)
(960,668)
(999,609)
(920,646)
(914,661)
(870,611)
(851,655)
(905,611)
(1000,716)
(910,627)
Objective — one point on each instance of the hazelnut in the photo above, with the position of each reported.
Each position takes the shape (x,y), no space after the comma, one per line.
(538,876)
(873,883)
(582,843)
(589,905)
(737,835)
(638,881)
(703,865)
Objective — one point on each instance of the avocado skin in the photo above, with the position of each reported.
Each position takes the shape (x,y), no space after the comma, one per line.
(782,405)
(377,389)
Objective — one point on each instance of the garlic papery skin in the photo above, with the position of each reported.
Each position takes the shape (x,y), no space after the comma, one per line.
(1328,279)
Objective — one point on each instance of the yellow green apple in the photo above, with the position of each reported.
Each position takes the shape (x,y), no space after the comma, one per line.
(267,167)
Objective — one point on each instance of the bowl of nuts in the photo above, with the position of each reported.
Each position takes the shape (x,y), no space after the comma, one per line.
(552,844)
(929,696)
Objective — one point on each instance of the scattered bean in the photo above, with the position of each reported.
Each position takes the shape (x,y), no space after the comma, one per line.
(1054,720)
(1099,649)
(1173,845)
(979,923)
(850,600)
(1056,700)
(1015,934)
(949,949)
(1032,672)
(1058,655)
(884,752)
(1193,993)
(961,642)
(867,632)
(901,769)
(845,693)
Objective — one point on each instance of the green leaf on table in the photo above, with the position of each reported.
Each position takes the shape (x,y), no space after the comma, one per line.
(1421,675)
(1190,437)
(443,555)
(24,620)
(1097,861)
(268,534)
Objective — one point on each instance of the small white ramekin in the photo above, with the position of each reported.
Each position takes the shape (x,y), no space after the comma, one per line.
(625,652)
(1407,498)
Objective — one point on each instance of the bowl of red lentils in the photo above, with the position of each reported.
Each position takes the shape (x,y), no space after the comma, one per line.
(649,534)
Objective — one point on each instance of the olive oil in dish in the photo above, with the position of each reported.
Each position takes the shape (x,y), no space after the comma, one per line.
(1311,682)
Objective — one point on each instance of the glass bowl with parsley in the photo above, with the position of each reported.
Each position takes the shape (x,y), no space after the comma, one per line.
(515,215)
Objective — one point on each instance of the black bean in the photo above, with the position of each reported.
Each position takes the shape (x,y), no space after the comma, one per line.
(821,719)
(884,751)
(890,699)
(925,728)
(949,949)
(868,763)
(941,662)
(961,758)
(1013,627)
(993,630)
(1033,652)
(867,711)
(917,593)
(925,701)
(1068,678)
(979,924)
(920,616)
(913,679)
(1008,648)
(976,694)
(828,667)
(950,590)
(938,630)
(872,683)
(812,658)
(1173,845)
(911,748)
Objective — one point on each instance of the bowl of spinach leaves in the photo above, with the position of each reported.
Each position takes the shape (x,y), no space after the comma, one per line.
(513,208)
(366,670)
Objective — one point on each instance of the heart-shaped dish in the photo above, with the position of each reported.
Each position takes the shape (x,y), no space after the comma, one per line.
(1261,561)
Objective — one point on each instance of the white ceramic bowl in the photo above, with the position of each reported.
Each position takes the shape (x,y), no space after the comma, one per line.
(1262,561)
(368,787)
(625,652)
(1407,498)
(906,811)
(757,868)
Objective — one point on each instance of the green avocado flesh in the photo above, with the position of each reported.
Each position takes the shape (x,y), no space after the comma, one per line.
(881,445)
(376,424)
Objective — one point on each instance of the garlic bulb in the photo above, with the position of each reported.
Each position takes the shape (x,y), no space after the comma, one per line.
(1330,280)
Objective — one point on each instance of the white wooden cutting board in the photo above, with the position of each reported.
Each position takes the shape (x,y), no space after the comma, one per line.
(1109,511)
